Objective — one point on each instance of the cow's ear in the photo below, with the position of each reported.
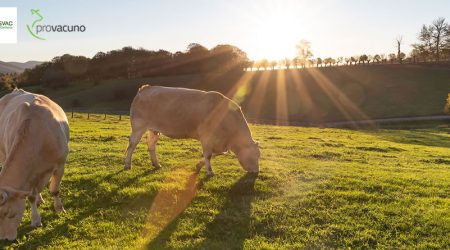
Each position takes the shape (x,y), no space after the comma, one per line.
(17,194)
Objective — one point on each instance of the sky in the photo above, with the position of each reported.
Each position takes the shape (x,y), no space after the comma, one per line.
(262,28)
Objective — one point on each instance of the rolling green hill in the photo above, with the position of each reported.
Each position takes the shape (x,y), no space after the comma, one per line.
(16,67)
(304,95)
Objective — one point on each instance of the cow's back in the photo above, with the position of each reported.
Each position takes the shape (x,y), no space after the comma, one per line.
(180,112)
(40,121)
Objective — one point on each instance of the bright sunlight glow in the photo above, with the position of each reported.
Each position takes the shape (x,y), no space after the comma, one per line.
(276,32)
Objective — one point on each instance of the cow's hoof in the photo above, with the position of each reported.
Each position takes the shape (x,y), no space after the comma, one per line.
(36,224)
(60,209)
(210,174)
(127,168)
(157,166)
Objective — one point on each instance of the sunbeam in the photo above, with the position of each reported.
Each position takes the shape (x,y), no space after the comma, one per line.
(307,105)
(169,203)
(339,99)
(259,93)
(281,99)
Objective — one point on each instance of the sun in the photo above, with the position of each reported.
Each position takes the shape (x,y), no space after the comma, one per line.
(274,35)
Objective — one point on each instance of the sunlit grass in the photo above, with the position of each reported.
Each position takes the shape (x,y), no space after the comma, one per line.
(318,188)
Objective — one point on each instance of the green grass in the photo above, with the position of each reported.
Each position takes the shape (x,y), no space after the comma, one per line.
(318,188)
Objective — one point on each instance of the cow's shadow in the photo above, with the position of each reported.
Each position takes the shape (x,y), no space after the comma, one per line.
(231,225)
(100,202)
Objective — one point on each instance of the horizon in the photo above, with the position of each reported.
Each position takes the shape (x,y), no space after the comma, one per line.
(263,29)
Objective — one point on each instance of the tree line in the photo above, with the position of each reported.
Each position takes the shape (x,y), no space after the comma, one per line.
(433,46)
(129,62)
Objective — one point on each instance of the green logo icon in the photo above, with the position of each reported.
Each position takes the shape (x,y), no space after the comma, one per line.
(39,18)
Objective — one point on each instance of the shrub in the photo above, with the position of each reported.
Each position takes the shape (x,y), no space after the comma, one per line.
(447,106)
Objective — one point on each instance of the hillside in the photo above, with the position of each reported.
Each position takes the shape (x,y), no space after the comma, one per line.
(16,67)
(306,95)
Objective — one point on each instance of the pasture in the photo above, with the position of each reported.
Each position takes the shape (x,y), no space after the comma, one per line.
(318,188)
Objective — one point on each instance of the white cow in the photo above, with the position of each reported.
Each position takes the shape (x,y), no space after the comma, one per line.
(210,117)
(34,136)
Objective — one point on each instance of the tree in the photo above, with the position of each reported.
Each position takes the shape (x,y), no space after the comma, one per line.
(273,64)
(8,81)
(304,52)
(348,60)
(250,65)
(399,41)
(312,62)
(287,63)
(264,63)
(439,31)
(363,58)
(414,54)
(318,61)
(434,39)
(392,57)
(333,61)
(197,49)
(383,58)
(295,63)
(340,60)
(425,48)
(377,58)
(329,61)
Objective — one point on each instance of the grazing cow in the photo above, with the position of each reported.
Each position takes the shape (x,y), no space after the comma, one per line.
(34,133)
(210,117)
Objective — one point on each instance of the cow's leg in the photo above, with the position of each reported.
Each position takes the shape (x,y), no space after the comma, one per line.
(207,154)
(135,137)
(152,138)
(54,188)
(199,165)
(207,157)
(35,216)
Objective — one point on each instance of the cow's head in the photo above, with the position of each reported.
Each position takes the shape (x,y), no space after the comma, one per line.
(248,157)
(12,205)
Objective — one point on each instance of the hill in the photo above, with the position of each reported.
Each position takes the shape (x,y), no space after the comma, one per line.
(311,95)
(16,67)
(318,188)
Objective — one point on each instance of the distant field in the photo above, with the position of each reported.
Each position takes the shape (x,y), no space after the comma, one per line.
(318,188)
(306,95)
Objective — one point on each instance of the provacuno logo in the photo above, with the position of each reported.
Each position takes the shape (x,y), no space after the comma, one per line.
(39,18)
(37,28)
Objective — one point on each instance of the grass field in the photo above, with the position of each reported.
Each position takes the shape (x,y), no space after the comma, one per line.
(318,188)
